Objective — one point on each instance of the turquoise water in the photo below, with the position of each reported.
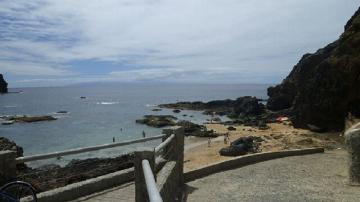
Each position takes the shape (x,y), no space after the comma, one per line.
(110,110)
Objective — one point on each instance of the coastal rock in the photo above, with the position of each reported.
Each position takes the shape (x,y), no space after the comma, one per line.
(263,126)
(242,146)
(217,119)
(192,129)
(323,87)
(30,119)
(3,85)
(62,112)
(158,121)
(156,110)
(231,128)
(176,110)
(6,144)
(53,176)
(241,107)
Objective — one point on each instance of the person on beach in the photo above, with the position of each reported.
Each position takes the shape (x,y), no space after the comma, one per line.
(225,138)
(228,137)
(209,142)
(143,133)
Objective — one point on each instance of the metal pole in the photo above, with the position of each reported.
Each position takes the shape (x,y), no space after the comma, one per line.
(152,190)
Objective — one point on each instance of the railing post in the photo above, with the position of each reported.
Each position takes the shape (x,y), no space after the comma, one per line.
(179,154)
(7,166)
(352,141)
(141,194)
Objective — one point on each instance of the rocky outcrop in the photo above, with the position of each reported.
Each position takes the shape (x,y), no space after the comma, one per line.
(6,144)
(242,146)
(53,176)
(3,85)
(30,119)
(324,86)
(158,121)
(192,129)
(242,106)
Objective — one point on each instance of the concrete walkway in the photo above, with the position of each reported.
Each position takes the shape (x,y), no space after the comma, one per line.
(318,177)
(124,193)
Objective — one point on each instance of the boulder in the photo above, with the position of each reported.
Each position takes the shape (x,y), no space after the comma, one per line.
(231,128)
(323,87)
(242,146)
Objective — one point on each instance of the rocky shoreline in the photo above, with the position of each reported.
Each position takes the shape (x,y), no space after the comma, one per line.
(52,176)
(246,110)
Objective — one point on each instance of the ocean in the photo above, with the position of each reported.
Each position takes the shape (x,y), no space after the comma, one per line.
(109,110)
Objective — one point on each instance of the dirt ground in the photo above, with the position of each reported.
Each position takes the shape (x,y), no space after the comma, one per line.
(280,136)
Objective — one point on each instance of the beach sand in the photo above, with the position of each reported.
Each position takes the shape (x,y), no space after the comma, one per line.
(280,136)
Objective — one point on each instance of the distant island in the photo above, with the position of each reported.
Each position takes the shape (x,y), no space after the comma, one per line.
(3,85)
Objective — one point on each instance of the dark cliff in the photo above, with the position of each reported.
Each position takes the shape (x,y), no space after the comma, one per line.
(325,86)
(3,85)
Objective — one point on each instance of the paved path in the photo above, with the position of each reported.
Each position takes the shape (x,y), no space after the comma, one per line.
(318,177)
(124,193)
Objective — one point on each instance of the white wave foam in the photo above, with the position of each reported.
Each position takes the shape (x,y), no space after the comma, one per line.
(150,105)
(107,103)
(10,106)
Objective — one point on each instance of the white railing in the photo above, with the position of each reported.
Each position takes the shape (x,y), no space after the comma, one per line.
(153,192)
(162,145)
(82,150)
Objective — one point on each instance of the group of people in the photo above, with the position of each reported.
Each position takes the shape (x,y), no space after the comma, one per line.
(226,139)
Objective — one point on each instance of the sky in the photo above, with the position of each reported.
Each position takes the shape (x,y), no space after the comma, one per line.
(55,43)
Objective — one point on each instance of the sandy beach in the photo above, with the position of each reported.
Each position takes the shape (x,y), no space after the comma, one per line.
(280,136)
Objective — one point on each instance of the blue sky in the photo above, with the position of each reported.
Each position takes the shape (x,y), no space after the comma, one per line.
(50,43)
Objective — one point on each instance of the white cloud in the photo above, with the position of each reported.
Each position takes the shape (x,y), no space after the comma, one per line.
(32,69)
(219,40)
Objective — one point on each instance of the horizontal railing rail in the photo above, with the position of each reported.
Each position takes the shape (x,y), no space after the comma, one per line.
(83,150)
(162,145)
(153,192)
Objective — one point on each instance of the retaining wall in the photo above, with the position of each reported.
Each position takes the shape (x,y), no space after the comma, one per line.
(87,187)
(245,160)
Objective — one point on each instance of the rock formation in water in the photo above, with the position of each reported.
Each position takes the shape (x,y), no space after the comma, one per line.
(157,121)
(242,106)
(324,86)
(3,85)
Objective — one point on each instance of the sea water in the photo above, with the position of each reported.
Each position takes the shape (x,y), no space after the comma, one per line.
(109,111)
